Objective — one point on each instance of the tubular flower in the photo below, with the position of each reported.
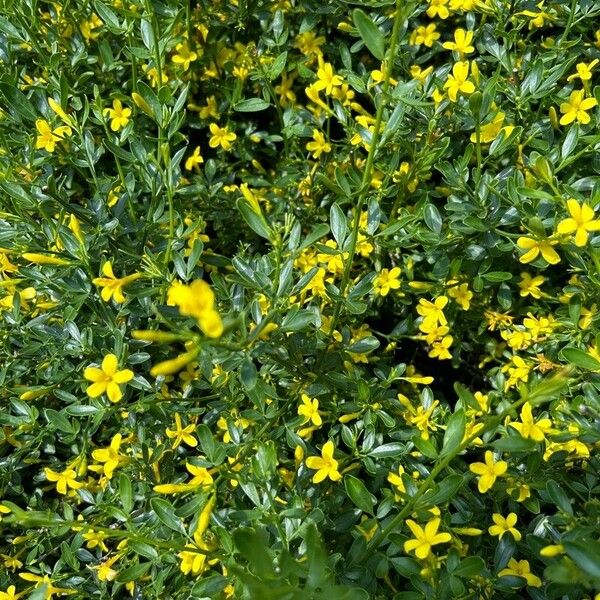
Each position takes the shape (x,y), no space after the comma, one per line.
(581,222)
(107,379)
(528,428)
(182,434)
(110,456)
(64,479)
(488,472)
(48,137)
(309,409)
(576,107)
(386,280)
(112,287)
(462,42)
(119,116)
(221,136)
(197,300)
(458,81)
(327,79)
(425,538)
(319,145)
(535,248)
(502,526)
(325,464)
(521,569)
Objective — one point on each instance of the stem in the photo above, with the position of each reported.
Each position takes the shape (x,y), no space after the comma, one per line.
(366,179)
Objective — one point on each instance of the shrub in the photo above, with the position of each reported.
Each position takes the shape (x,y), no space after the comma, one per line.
(299,299)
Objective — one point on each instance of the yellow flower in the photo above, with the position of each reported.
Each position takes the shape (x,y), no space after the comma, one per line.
(325,464)
(184,56)
(439,348)
(182,434)
(528,428)
(461,295)
(490,131)
(48,137)
(458,81)
(107,379)
(584,71)
(45,259)
(386,280)
(582,221)
(503,526)
(530,285)
(119,116)
(576,108)
(425,538)
(425,35)
(10,593)
(309,409)
(536,247)
(95,539)
(64,480)
(319,145)
(197,300)
(112,287)
(194,161)
(105,572)
(221,136)
(488,472)
(110,456)
(327,79)
(87,27)
(521,569)
(396,480)
(462,42)
(438,8)
(432,313)
(201,479)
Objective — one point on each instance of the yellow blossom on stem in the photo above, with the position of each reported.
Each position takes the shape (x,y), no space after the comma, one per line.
(386,280)
(581,222)
(319,145)
(182,434)
(309,409)
(528,428)
(118,115)
(462,42)
(425,537)
(184,56)
(426,35)
(112,286)
(65,480)
(584,71)
(438,8)
(521,569)
(535,248)
(110,456)
(221,136)
(395,478)
(458,81)
(502,526)
(107,379)
(530,285)
(47,137)
(488,471)
(197,300)
(194,161)
(325,464)
(576,107)
(326,79)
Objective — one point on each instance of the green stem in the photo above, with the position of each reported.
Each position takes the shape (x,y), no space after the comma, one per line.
(367,175)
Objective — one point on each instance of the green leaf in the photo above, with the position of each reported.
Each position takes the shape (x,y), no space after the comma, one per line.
(432,218)
(17,103)
(497,276)
(425,447)
(443,491)
(339,226)
(580,358)
(586,555)
(455,431)
(108,16)
(387,450)
(513,443)
(251,105)
(469,567)
(255,221)
(559,497)
(252,544)
(125,492)
(359,494)
(370,34)
(166,514)
(278,65)
(133,573)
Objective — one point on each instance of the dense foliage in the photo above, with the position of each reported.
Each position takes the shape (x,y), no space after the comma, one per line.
(299,299)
